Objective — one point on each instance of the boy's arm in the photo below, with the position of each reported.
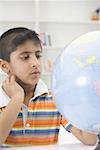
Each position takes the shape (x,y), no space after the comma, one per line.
(9,115)
(84,137)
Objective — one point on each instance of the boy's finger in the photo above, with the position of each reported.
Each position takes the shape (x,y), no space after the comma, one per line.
(12,78)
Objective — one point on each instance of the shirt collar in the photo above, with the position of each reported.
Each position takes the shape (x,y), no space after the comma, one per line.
(41,88)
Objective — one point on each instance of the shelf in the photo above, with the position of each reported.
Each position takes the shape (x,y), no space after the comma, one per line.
(51,22)
(78,11)
(69,22)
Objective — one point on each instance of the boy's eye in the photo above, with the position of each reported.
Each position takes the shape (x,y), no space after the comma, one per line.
(38,56)
(25,57)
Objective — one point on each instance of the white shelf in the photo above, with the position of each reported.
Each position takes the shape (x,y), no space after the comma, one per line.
(70,22)
(84,22)
(67,11)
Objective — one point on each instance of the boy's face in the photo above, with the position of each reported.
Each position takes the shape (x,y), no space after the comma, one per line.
(25,63)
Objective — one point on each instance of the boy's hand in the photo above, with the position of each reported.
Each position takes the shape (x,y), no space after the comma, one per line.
(13,89)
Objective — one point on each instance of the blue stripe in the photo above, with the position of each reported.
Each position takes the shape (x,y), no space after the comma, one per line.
(40,113)
(44,113)
(20,115)
(44,98)
(35,132)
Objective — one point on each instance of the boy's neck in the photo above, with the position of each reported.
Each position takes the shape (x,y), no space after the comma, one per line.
(28,97)
(29,93)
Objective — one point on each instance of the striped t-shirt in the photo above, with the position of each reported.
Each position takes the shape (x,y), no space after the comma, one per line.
(38,123)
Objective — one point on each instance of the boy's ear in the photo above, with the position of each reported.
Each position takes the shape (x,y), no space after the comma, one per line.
(4,65)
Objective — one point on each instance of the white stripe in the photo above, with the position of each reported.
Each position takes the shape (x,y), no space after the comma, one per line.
(36,128)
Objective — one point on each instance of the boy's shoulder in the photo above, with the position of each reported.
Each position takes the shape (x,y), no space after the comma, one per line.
(50,94)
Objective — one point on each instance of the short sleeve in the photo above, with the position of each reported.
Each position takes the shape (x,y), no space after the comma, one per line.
(66,124)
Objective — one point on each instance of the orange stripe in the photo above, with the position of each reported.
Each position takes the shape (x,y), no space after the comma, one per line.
(37,123)
(42,105)
(31,144)
(18,124)
(32,140)
(64,121)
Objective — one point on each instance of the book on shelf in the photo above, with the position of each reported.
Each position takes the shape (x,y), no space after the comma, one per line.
(49,57)
(45,38)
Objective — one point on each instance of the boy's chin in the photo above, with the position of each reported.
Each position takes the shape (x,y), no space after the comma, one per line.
(30,82)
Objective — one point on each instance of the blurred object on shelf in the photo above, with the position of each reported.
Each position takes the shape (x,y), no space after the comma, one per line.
(96,15)
(48,60)
(48,65)
(45,39)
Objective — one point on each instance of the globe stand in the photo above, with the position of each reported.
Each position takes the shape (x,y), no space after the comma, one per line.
(98,145)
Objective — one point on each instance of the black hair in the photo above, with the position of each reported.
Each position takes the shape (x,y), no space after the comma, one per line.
(14,37)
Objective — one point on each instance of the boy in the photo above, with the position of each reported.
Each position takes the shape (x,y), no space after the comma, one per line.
(28,113)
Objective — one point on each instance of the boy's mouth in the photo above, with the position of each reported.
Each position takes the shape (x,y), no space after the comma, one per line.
(36,72)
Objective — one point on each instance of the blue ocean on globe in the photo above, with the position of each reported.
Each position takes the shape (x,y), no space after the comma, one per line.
(76,82)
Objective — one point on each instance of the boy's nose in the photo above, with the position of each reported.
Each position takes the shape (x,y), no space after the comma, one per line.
(35,62)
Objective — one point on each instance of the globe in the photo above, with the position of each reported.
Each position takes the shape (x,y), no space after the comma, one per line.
(76,82)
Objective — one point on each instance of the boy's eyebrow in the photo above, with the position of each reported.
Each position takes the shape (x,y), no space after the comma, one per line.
(27,52)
